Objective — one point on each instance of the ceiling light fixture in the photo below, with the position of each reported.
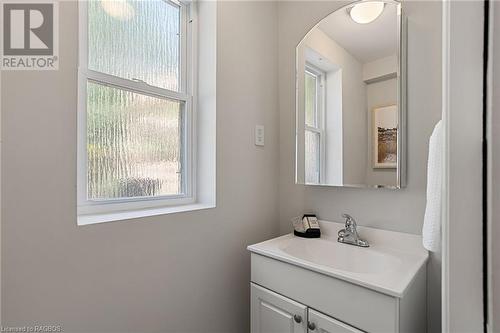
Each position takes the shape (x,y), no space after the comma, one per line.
(366,12)
(119,9)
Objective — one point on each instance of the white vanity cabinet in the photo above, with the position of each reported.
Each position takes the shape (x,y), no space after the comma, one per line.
(325,324)
(273,313)
(281,291)
(320,285)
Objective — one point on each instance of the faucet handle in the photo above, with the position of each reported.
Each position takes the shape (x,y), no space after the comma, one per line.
(346,216)
(350,222)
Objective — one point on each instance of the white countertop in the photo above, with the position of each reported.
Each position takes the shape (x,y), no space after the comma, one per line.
(388,266)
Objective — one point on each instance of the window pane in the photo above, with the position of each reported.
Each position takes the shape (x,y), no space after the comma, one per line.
(133,144)
(135,40)
(312,149)
(310,91)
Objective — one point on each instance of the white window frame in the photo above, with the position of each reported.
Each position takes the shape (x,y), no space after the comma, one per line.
(320,114)
(186,95)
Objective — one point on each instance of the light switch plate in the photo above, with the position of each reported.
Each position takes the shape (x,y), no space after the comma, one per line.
(259,135)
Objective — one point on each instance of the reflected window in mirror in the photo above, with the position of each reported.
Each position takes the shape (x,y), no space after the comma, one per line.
(314,128)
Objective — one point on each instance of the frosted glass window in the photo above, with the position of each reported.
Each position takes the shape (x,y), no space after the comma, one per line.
(312,157)
(135,111)
(310,99)
(133,144)
(136,40)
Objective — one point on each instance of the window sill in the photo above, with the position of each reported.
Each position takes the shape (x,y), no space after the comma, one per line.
(136,214)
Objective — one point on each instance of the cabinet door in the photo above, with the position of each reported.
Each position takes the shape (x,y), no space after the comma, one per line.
(319,323)
(273,313)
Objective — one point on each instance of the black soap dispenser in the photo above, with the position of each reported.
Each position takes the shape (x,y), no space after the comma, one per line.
(307,226)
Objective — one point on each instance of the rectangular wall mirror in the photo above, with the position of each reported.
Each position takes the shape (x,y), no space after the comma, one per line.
(350,98)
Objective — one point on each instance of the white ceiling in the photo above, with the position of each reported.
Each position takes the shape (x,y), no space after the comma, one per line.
(366,42)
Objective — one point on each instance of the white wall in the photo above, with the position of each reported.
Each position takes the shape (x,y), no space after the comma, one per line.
(185,272)
(380,68)
(334,132)
(401,210)
(157,274)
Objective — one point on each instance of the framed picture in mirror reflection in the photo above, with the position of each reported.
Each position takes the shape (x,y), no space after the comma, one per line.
(385,137)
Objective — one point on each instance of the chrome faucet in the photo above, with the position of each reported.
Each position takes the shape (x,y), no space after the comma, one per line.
(349,235)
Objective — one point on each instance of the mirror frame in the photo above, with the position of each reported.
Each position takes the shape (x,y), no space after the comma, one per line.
(401,168)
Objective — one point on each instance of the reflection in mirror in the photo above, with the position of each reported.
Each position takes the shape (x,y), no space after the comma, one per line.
(350,98)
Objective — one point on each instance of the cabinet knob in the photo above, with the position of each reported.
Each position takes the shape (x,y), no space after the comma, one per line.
(311,326)
(297,318)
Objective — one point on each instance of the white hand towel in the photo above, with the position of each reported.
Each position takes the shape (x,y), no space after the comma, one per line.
(431,232)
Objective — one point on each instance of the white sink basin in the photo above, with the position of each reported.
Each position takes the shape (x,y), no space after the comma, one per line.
(340,257)
(388,265)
